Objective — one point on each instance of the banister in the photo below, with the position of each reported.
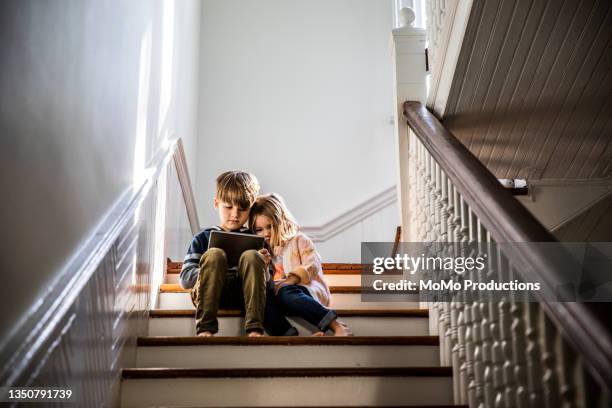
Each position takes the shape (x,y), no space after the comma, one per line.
(582,324)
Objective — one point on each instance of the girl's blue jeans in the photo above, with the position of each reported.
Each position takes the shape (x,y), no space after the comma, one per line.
(294,300)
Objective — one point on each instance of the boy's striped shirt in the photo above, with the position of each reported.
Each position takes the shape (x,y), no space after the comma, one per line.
(191,263)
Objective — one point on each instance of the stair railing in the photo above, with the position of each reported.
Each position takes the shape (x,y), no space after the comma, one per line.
(180,163)
(510,353)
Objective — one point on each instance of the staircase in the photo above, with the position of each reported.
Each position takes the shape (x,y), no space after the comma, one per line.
(391,361)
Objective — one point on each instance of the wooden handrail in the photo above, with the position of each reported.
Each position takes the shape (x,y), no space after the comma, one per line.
(507,220)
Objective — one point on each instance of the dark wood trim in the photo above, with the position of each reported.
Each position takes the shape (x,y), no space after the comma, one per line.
(345,271)
(176,288)
(153,341)
(421,313)
(584,325)
(328,269)
(381,406)
(396,241)
(286,372)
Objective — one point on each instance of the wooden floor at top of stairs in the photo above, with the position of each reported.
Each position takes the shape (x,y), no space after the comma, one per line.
(329,268)
(344,406)
(151,341)
(157,313)
(141,373)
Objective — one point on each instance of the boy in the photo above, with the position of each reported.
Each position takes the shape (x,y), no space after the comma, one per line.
(205,271)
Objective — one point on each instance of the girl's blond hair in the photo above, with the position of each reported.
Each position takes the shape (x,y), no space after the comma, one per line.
(284,226)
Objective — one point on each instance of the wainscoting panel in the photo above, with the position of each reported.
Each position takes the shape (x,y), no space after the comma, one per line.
(84,331)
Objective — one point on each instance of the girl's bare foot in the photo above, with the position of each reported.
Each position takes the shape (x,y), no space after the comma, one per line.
(318,334)
(255,333)
(206,334)
(340,329)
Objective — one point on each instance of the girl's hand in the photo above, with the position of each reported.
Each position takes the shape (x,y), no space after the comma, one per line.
(279,284)
(266,256)
(291,280)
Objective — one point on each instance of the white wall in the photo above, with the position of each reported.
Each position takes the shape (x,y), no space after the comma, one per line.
(88,92)
(301,94)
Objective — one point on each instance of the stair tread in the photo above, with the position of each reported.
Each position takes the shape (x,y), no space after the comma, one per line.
(149,341)
(345,406)
(328,268)
(176,288)
(165,313)
(141,373)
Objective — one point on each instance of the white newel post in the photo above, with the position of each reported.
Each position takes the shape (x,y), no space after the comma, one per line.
(410,85)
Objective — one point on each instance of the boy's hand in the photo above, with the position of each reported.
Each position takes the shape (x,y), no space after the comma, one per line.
(266,256)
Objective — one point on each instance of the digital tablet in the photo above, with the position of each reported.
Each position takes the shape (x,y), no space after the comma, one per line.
(234,244)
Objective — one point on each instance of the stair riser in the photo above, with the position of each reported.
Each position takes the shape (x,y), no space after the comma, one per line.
(234,326)
(210,356)
(332,280)
(171,301)
(286,392)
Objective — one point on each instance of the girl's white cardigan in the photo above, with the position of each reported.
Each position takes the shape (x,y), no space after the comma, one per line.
(300,258)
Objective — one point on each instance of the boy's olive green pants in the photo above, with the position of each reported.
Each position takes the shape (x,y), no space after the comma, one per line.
(217,287)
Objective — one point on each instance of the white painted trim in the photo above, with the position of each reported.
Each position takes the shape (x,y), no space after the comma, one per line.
(180,163)
(351,216)
(447,54)
(45,316)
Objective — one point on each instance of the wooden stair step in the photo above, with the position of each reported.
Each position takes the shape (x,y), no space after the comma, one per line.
(369,322)
(136,373)
(148,341)
(161,313)
(287,352)
(341,406)
(176,288)
(343,299)
(328,268)
(331,279)
(325,271)
(283,387)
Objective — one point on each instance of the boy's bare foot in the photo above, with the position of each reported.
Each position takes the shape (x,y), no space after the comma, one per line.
(340,329)
(206,334)
(318,334)
(255,333)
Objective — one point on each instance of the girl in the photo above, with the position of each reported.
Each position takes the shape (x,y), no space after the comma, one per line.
(298,277)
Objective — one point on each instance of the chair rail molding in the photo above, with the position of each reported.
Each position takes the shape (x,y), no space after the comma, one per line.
(352,216)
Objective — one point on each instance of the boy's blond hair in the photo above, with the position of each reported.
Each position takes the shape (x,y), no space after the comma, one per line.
(238,188)
(284,226)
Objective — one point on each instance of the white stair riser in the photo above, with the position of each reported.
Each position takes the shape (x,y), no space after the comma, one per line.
(276,356)
(286,392)
(170,301)
(234,326)
(332,280)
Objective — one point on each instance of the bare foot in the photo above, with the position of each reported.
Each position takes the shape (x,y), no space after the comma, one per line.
(206,334)
(340,329)
(318,334)
(255,333)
